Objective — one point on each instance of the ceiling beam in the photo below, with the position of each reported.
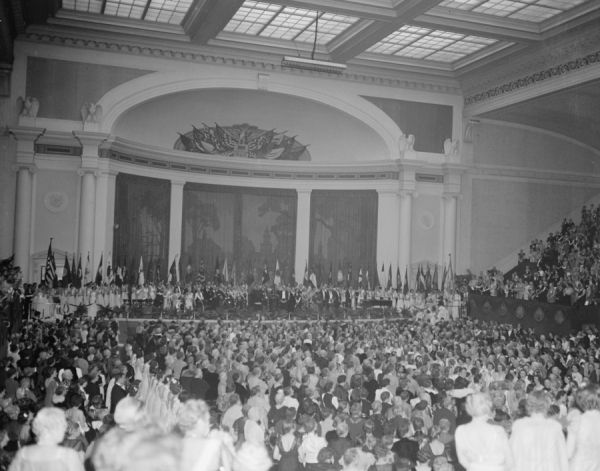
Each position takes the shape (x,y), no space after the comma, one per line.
(206,18)
(364,35)
(479,25)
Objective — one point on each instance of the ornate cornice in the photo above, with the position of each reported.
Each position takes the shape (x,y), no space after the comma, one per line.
(532,79)
(207,168)
(187,53)
(527,62)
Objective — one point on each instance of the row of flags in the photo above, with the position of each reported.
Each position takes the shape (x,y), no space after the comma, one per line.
(425,280)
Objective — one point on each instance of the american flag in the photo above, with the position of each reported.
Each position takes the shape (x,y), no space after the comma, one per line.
(50,275)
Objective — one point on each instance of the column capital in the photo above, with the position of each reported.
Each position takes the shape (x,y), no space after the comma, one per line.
(304,191)
(86,170)
(26,133)
(388,191)
(405,192)
(178,182)
(90,142)
(26,138)
(451,195)
(24,166)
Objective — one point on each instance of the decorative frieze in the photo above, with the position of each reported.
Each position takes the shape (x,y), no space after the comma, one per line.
(537,77)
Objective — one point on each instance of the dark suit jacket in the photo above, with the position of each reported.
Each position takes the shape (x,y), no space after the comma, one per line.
(406,448)
(117,393)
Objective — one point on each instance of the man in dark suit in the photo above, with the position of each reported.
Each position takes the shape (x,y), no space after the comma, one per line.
(118,392)
(405,447)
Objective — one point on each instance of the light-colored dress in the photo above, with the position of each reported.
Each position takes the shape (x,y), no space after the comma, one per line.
(46,458)
(583,442)
(538,444)
(481,446)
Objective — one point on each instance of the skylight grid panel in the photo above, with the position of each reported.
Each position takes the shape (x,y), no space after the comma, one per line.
(432,43)
(327,26)
(414,52)
(308,36)
(443,56)
(164,16)
(499,7)
(414,29)
(279,32)
(535,13)
(560,4)
(341,19)
(480,40)
(447,34)
(136,13)
(299,12)
(464,47)
(151,14)
(461,4)
(291,21)
(383,48)
(123,10)
(70,5)
(177,18)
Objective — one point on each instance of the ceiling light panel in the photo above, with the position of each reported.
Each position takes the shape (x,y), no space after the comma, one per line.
(269,20)
(423,43)
(159,11)
(533,11)
(168,11)
(89,6)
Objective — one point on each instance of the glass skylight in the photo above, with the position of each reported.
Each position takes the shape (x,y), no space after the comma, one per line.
(269,20)
(534,11)
(423,43)
(159,11)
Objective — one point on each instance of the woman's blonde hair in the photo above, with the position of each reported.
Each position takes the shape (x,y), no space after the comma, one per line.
(50,425)
(479,405)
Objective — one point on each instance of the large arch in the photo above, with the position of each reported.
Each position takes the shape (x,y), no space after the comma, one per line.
(135,92)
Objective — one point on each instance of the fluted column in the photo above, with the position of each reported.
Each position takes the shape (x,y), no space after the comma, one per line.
(87,209)
(176,220)
(387,232)
(302,233)
(450,228)
(405,231)
(22,238)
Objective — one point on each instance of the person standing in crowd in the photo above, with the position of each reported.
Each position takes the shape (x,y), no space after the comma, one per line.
(537,442)
(481,446)
(49,426)
(583,438)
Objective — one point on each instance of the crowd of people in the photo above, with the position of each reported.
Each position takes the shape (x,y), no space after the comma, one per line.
(196,299)
(431,391)
(564,268)
(405,394)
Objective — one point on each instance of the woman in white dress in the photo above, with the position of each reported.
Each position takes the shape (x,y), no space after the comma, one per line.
(537,442)
(583,442)
(481,446)
(49,426)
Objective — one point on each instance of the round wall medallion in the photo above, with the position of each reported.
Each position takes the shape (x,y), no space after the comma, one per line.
(425,220)
(56,201)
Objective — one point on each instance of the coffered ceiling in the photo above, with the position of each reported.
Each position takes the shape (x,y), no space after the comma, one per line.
(454,40)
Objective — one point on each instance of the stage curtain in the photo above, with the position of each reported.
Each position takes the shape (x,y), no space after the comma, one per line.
(249,228)
(343,234)
(142,216)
